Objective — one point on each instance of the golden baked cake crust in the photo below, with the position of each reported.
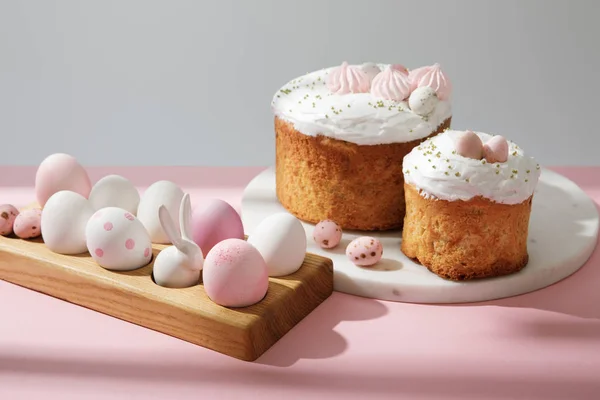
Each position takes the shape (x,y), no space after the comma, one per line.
(361,187)
(462,240)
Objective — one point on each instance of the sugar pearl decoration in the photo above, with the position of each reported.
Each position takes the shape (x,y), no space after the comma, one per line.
(327,234)
(469,145)
(496,150)
(364,251)
(423,100)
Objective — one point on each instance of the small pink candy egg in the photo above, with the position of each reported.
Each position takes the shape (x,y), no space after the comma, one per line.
(496,150)
(364,251)
(469,145)
(235,274)
(327,234)
(28,224)
(215,222)
(8,213)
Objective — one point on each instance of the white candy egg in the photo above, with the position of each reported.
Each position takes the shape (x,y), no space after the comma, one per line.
(281,240)
(115,191)
(159,193)
(423,100)
(117,240)
(371,69)
(64,218)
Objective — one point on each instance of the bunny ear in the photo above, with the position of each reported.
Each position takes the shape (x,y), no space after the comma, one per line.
(169,227)
(185,217)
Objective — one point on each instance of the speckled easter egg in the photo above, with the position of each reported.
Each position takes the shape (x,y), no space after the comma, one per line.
(117,240)
(8,213)
(235,274)
(60,172)
(364,251)
(215,222)
(327,234)
(28,224)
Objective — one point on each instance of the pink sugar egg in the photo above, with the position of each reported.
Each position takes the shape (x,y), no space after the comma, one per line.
(60,172)
(28,224)
(496,150)
(214,223)
(364,251)
(235,274)
(8,213)
(469,145)
(327,234)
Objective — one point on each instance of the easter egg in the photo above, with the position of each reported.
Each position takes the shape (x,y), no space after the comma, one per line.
(235,274)
(496,150)
(117,240)
(469,145)
(327,234)
(8,213)
(281,240)
(159,193)
(423,100)
(115,191)
(60,172)
(64,218)
(28,223)
(364,251)
(214,223)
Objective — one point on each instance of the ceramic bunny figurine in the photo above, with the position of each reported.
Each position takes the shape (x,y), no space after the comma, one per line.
(178,266)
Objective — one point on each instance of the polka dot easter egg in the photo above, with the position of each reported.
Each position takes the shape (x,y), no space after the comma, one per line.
(28,224)
(364,251)
(327,234)
(8,213)
(117,240)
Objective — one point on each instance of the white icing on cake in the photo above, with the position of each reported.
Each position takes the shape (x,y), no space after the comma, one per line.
(360,118)
(438,171)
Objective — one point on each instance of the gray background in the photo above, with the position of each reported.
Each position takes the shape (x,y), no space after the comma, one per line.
(190,82)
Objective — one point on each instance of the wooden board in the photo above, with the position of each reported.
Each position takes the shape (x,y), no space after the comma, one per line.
(188,314)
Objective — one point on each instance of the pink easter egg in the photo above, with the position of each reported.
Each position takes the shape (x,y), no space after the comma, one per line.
(327,234)
(28,224)
(60,172)
(214,223)
(469,145)
(8,213)
(364,251)
(235,274)
(496,150)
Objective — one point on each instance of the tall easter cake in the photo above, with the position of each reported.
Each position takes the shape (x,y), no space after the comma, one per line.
(468,202)
(341,136)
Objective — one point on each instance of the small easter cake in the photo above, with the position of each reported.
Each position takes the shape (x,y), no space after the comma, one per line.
(468,201)
(341,135)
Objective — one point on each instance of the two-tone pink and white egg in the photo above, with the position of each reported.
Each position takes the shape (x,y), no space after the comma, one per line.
(117,240)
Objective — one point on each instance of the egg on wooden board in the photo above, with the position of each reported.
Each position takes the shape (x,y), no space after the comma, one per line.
(235,274)
(115,191)
(64,218)
(28,224)
(8,214)
(117,240)
(159,193)
(214,223)
(60,172)
(281,240)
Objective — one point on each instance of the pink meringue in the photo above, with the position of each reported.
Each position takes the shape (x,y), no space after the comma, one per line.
(415,75)
(435,78)
(401,68)
(391,84)
(348,79)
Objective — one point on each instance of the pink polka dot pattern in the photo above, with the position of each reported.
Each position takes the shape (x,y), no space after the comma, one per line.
(129,216)
(146,252)
(99,252)
(108,226)
(129,244)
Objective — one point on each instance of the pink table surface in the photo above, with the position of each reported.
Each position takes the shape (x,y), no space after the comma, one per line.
(542,345)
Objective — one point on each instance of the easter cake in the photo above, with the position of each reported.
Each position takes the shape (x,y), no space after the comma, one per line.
(341,136)
(468,204)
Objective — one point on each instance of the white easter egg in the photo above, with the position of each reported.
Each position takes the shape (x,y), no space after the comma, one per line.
(371,69)
(64,218)
(117,240)
(423,100)
(159,193)
(115,191)
(281,240)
